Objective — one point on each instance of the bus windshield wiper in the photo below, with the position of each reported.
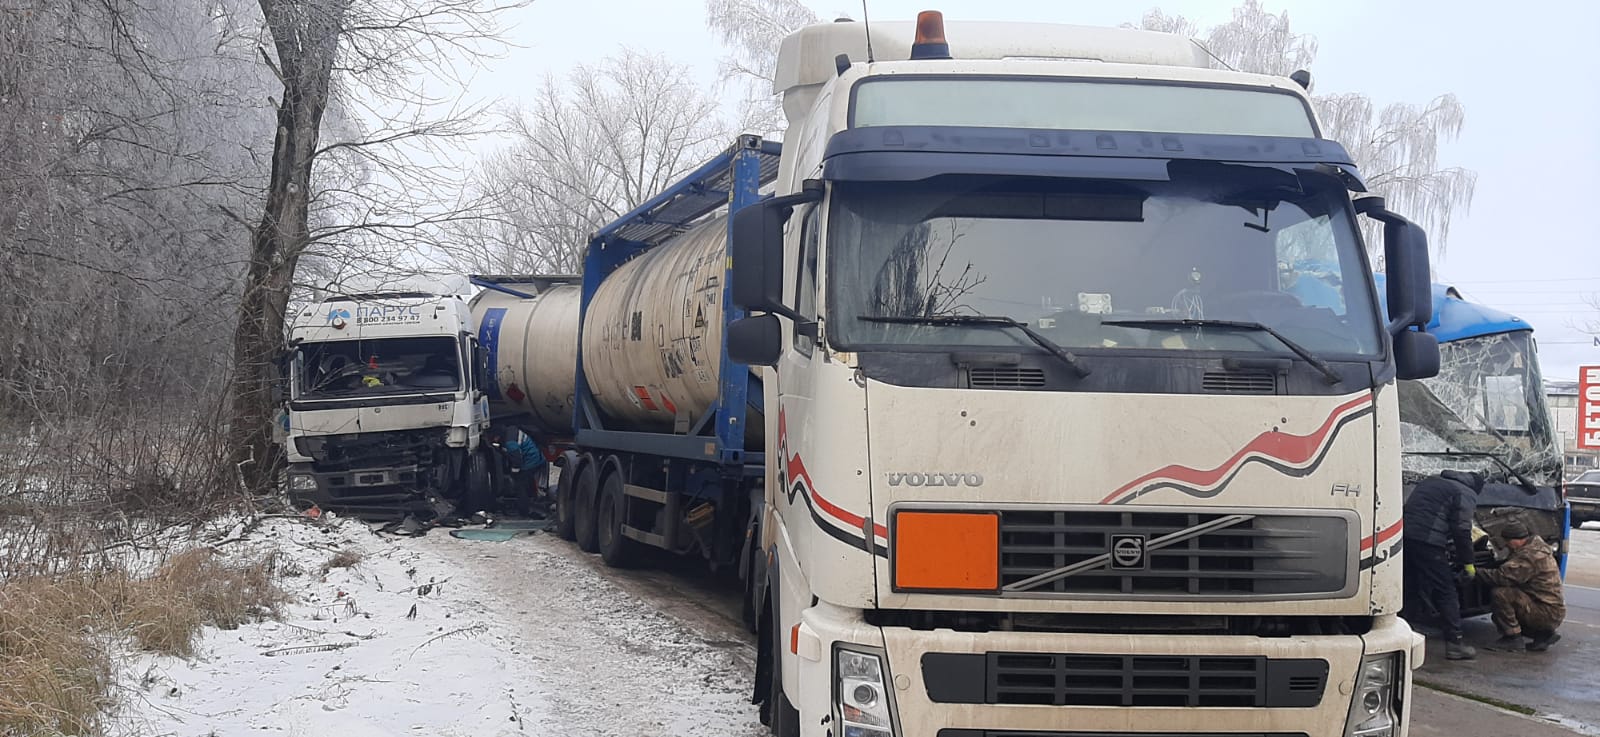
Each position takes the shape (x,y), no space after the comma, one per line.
(1528,486)
(1299,350)
(1066,356)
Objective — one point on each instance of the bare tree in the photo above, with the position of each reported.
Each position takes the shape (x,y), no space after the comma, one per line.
(753,30)
(586,152)
(125,127)
(1396,147)
(370,57)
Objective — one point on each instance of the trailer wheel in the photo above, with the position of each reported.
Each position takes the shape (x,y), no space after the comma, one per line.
(616,549)
(583,509)
(566,526)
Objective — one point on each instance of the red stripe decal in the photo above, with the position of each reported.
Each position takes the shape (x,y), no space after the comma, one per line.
(1291,449)
(1383,535)
(796,470)
(644,398)
(666,402)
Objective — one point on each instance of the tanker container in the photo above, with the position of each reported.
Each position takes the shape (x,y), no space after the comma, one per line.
(528,328)
(652,343)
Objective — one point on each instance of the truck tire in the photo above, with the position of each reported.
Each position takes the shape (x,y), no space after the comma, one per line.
(616,549)
(583,509)
(785,719)
(566,526)
(477,488)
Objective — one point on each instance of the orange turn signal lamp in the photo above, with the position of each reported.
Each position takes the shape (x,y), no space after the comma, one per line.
(930,43)
(946,551)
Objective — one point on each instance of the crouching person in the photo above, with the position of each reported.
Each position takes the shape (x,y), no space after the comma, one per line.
(1527,595)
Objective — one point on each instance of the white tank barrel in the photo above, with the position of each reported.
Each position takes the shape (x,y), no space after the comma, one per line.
(532,346)
(652,340)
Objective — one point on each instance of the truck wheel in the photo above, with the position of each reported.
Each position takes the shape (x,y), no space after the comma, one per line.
(583,509)
(785,719)
(616,549)
(478,492)
(566,525)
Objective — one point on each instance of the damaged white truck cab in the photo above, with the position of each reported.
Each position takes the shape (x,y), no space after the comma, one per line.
(385,408)
(1052,446)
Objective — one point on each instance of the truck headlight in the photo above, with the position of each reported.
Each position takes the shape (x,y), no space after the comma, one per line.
(861,697)
(302,482)
(1375,710)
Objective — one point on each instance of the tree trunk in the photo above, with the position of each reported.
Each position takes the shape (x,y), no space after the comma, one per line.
(306,35)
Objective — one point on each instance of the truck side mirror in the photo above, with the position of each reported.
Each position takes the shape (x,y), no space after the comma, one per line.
(756,341)
(757,251)
(1416,355)
(1408,280)
(279,391)
(1408,276)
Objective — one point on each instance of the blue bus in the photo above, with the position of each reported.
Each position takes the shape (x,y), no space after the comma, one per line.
(1486,412)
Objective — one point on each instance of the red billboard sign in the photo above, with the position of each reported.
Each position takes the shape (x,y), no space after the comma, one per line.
(1589,407)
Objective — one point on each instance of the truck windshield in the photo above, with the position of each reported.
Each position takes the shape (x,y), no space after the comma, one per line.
(1486,400)
(1084,263)
(346,368)
(1054,103)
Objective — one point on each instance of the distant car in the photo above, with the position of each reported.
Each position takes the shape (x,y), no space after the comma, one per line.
(1583,495)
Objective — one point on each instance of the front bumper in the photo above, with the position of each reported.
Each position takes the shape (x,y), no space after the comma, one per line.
(378,491)
(920,714)
(1583,509)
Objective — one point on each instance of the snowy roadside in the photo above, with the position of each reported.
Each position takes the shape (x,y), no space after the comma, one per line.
(439,636)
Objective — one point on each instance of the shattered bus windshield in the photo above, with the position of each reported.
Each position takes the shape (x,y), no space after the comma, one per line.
(1486,405)
(347,368)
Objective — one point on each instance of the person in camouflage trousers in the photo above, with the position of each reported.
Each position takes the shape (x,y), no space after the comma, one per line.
(1527,596)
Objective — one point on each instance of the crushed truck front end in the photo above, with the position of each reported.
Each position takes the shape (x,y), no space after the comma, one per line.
(1124,471)
(384,409)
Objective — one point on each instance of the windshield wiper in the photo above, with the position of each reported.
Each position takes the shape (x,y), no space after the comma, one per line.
(1528,486)
(1066,356)
(1299,350)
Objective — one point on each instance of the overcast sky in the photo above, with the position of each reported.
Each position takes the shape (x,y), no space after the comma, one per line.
(1529,88)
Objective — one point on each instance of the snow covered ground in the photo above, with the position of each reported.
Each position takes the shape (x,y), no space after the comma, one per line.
(442,636)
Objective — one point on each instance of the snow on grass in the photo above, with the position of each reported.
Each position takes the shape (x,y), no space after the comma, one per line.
(387,646)
(613,664)
(441,636)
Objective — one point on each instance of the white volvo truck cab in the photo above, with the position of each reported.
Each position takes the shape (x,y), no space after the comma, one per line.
(1052,448)
(385,405)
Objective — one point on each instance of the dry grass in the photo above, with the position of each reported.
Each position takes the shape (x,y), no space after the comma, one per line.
(55,674)
(347,558)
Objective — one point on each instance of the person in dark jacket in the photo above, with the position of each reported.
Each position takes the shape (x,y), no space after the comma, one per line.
(1527,592)
(1438,545)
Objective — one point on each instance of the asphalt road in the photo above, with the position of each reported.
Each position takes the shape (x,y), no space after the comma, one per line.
(711,606)
(1561,685)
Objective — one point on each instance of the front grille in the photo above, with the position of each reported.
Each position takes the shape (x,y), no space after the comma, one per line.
(1068,679)
(1231,382)
(1172,554)
(1006,377)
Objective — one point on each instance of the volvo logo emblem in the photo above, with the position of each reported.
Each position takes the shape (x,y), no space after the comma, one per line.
(1127,552)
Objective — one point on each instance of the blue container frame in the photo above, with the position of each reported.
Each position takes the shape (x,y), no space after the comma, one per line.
(732,179)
